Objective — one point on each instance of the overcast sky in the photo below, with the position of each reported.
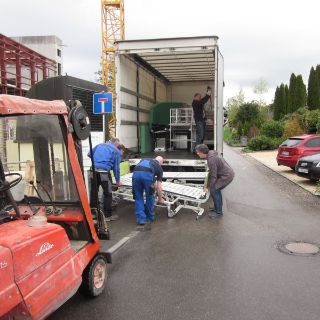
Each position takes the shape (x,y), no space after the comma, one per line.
(258,39)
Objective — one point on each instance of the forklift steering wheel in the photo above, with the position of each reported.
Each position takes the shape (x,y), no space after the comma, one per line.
(5,185)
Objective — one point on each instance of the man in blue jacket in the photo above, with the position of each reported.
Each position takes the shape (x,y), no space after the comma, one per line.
(106,157)
(146,172)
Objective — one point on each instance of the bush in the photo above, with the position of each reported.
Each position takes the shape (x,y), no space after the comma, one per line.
(318,127)
(264,143)
(272,129)
(286,118)
(227,133)
(292,127)
(313,118)
(277,142)
(308,119)
(231,137)
(247,116)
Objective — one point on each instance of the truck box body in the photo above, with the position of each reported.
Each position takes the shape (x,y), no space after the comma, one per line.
(166,70)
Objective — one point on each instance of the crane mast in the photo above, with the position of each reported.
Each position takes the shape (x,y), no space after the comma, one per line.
(112,18)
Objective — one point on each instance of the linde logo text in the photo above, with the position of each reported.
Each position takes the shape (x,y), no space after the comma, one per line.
(44,248)
(3,264)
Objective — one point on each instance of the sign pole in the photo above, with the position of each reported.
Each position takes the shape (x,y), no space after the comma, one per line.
(104,127)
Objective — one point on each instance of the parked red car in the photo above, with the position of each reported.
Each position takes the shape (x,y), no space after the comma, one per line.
(291,150)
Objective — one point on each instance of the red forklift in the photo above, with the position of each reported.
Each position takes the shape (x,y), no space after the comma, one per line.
(49,241)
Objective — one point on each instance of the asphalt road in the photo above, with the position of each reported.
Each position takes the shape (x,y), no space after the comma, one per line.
(222,269)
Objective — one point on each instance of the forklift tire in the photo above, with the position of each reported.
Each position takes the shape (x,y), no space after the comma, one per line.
(94,276)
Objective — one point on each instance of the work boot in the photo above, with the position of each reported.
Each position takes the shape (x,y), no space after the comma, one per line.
(140,226)
(114,217)
(148,226)
(214,215)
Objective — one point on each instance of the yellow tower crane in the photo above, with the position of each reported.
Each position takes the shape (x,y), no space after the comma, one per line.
(112,18)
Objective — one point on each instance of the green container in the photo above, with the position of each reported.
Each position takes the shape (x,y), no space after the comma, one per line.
(145,138)
(159,114)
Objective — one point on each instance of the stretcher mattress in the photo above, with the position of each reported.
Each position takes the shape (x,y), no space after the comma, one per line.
(185,175)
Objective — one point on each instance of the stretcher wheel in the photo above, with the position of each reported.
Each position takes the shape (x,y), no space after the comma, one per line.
(94,276)
(171,213)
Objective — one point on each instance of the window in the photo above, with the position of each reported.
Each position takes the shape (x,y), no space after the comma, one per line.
(313,143)
(291,142)
(59,69)
(58,52)
(38,151)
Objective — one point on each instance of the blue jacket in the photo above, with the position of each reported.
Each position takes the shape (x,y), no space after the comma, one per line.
(107,157)
(154,167)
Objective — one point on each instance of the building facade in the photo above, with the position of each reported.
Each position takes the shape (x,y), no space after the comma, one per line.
(24,61)
(48,46)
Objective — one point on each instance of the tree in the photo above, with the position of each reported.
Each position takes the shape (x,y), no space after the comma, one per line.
(276,105)
(236,101)
(233,105)
(98,75)
(318,72)
(280,102)
(314,89)
(291,95)
(248,115)
(286,89)
(300,94)
(283,100)
(260,88)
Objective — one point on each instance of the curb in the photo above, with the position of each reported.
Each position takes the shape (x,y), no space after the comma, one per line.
(315,192)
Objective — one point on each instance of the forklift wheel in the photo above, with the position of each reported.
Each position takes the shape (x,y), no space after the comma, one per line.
(94,276)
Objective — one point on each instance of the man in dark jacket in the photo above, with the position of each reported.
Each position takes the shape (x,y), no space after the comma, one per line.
(220,175)
(198,114)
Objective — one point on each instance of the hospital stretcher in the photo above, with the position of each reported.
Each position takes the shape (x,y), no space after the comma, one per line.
(176,196)
(199,163)
(185,176)
(194,179)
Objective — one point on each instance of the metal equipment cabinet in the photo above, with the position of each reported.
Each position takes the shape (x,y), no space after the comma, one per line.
(182,128)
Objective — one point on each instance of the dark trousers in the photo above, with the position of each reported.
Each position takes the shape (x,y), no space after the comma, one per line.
(200,127)
(216,195)
(103,180)
(217,199)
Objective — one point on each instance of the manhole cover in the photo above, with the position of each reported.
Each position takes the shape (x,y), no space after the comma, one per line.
(299,248)
(302,247)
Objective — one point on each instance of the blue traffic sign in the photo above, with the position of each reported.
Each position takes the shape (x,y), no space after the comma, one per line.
(102,103)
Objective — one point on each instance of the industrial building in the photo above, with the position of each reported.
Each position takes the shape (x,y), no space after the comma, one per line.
(22,67)
(49,46)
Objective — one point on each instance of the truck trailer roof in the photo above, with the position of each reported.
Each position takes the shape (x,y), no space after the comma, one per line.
(175,59)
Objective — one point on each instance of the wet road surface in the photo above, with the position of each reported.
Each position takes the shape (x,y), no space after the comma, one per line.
(227,268)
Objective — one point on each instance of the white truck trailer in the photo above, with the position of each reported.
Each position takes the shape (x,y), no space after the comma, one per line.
(166,70)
